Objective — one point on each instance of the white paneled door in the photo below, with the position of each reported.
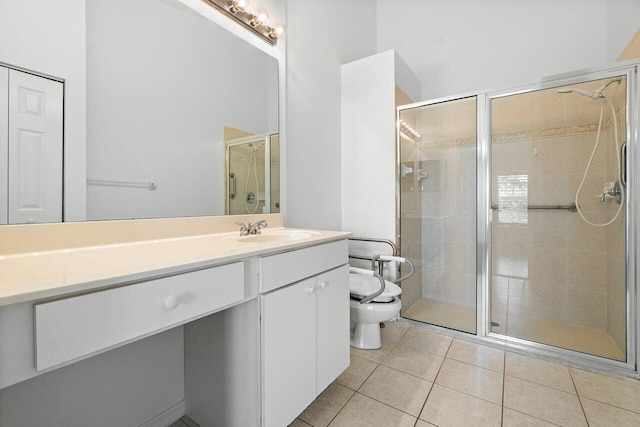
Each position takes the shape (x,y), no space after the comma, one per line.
(35,149)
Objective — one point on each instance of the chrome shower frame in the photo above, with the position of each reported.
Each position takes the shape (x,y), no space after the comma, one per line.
(265,139)
(483,214)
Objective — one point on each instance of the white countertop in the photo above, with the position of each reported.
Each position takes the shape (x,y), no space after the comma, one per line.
(37,275)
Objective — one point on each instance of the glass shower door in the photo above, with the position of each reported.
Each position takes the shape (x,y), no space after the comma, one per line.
(247,180)
(437,221)
(557,269)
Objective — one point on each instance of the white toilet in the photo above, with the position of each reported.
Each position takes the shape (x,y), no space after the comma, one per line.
(366,318)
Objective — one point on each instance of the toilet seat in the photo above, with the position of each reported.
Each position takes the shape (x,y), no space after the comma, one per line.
(360,286)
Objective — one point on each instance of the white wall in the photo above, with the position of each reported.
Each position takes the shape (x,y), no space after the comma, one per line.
(158,100)
(321,36)
(49,38)
(467,45)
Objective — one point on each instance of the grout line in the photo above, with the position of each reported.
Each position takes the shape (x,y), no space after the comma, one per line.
(579,399)
(343,406)
(543,385)
(386,404)
(434,381)
(467,394)
(534,417)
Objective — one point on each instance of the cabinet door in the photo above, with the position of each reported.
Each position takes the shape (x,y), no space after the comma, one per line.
(332,325)
(289,352)
(4,144)
(35,149)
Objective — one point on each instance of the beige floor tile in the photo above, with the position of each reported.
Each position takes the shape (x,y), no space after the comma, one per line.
(443,313)
(511,418)
(479,382)
(601,415)
(475,354)
(446,407)
(393,331)
(621,392)
(422,423)
(542,402)
(539,371)
(327,405)
(413,361)
(362,411)
(402,391)
(357,372)
(426,341)
(374,355)
(299,423)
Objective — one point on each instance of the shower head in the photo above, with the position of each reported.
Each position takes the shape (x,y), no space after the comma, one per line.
(595,95)
(256,147)
(601,89)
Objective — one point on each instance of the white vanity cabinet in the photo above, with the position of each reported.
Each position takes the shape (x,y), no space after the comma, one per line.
(304,328)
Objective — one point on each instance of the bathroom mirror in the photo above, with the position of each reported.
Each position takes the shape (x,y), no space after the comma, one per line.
(162,85)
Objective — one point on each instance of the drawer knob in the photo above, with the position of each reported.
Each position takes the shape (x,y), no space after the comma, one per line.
(323,285)
(171,302)
(311,289)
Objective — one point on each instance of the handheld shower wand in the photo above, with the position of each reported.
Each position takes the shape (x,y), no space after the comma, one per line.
(595,95)
(601,98)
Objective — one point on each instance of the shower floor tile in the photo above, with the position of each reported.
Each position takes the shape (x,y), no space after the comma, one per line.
(443,313)
(558,334)
(536,392)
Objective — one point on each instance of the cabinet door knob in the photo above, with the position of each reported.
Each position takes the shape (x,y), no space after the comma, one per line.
(311,289)
(171,302)
(323,285)
(31,221)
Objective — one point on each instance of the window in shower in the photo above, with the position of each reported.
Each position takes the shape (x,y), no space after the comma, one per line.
(438,212)
(555,278)
(513,192)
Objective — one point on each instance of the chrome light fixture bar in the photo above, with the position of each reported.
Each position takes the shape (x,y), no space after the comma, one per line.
(257,23)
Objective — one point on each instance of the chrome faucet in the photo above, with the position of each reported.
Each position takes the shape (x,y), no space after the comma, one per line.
(255,228)
(243,228)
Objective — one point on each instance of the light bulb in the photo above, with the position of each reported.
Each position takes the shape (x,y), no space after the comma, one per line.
(277,31)
(263,17)
(238,6)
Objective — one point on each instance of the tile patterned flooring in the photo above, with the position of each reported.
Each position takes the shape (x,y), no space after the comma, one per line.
(422,378)
(572,337)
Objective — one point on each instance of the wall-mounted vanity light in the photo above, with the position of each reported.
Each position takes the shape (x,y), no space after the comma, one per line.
(258,23)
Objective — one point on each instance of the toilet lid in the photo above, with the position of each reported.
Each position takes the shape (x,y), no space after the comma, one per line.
(362,286)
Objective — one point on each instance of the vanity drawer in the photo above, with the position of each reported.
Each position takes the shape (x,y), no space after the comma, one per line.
(289,267)
(79,326)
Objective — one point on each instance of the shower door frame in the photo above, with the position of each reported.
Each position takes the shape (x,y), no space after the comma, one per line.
(266,139)
(483,213)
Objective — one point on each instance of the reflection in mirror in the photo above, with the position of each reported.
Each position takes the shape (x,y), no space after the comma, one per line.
(253,184)
(162,84)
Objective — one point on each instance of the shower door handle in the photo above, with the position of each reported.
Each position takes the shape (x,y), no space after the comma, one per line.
(232,186)
(623,164)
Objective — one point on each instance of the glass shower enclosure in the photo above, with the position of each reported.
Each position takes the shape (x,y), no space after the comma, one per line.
(253,175)
(516,206)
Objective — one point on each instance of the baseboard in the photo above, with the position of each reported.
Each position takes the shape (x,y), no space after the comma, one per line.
(167,417)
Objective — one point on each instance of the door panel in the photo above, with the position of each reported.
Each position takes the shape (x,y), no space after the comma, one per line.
(333,325)
(35,149)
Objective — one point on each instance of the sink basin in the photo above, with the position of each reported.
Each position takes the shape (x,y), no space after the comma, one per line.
(277,237)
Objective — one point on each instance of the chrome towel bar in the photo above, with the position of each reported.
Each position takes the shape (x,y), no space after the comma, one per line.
(570,208)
